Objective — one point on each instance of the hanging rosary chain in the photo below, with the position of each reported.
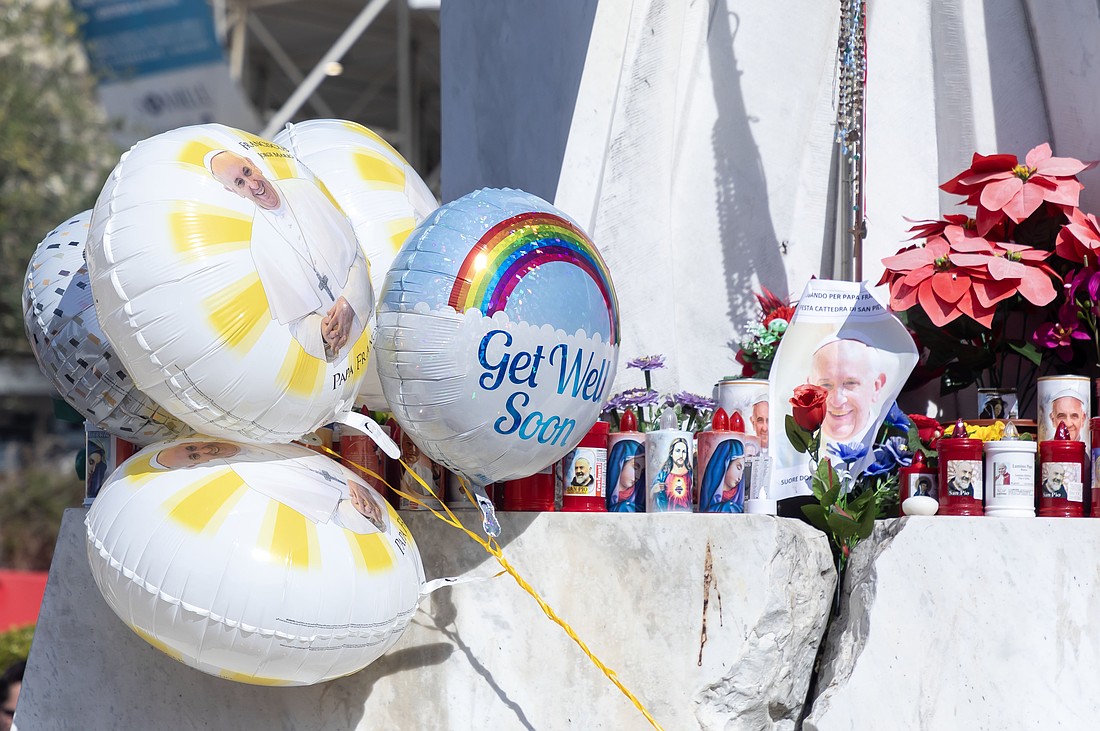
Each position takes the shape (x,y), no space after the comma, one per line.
(851,79)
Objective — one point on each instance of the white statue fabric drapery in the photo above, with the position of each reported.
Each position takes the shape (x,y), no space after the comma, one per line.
(701,148)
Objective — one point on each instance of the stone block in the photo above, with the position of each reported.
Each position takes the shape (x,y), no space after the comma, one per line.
(712,620)
(966,623)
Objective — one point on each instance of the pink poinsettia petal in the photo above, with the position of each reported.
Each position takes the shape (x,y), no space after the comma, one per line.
(1064,192)
(918,275)
(911,259)
(1062,167)
(991,291)
(970,260)
(996,195)
(1024,203)
(1002,268)
(973,309)
(1088,236)
(950,286)
(902,297)
(938,311)
(1037,288)
(1038,154)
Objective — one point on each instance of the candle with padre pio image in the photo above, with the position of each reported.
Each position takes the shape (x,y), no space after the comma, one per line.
(1061,475)
(668,467)
(722,455)
(584,473)
(960,473)
(626,485)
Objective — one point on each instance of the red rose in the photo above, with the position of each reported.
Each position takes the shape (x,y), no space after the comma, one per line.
(808,406)
(928,428)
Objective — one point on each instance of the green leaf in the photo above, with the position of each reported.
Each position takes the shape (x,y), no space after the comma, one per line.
(865,497)
(816,515)
(829,481)
(1029,351)
(867,520)
(842,526)
(798,437)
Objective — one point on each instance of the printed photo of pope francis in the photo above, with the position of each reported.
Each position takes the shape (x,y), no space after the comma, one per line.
(312,271)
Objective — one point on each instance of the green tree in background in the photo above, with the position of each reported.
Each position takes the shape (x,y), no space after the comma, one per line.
(54,148)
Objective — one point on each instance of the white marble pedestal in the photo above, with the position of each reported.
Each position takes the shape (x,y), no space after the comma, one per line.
(967,623)
(712,620)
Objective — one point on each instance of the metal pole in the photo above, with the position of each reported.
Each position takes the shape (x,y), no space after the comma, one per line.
(405,95)
(268,41)
(346,40)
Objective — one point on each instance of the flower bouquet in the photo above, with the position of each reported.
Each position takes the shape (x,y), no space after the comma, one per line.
(848,502)
(691,410)
(1018,277)
(762,336)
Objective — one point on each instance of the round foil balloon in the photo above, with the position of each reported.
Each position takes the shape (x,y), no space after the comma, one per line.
(73,352)
(231,284)
(497,338)
(382,195)
(270,565)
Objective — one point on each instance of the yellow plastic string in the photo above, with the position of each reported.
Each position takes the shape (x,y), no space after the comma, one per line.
(493,548)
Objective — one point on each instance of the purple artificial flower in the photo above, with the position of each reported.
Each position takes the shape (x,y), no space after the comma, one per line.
(1059,336)
(691,401)
(647,363)
(632,398)
(1089,277)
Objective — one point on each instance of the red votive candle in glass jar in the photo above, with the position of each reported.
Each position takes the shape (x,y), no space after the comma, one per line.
(918,479)
(533,494)
(1061,471)
(584,472)
(960,473)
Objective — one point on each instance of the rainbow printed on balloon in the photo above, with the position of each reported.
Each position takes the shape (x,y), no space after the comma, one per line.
(512,249)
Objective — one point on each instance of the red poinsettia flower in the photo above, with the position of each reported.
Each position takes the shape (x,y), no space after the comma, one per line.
(999,186)
(1079,240)
(962,273)
(926,229)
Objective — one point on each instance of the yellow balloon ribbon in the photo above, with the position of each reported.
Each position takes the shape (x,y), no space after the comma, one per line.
(493,549)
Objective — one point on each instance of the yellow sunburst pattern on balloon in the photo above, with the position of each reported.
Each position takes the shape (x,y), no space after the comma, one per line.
(203,506)
(289,538)
(301,373)
(239,313)
(378,171)
(199,230)
(372,551)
